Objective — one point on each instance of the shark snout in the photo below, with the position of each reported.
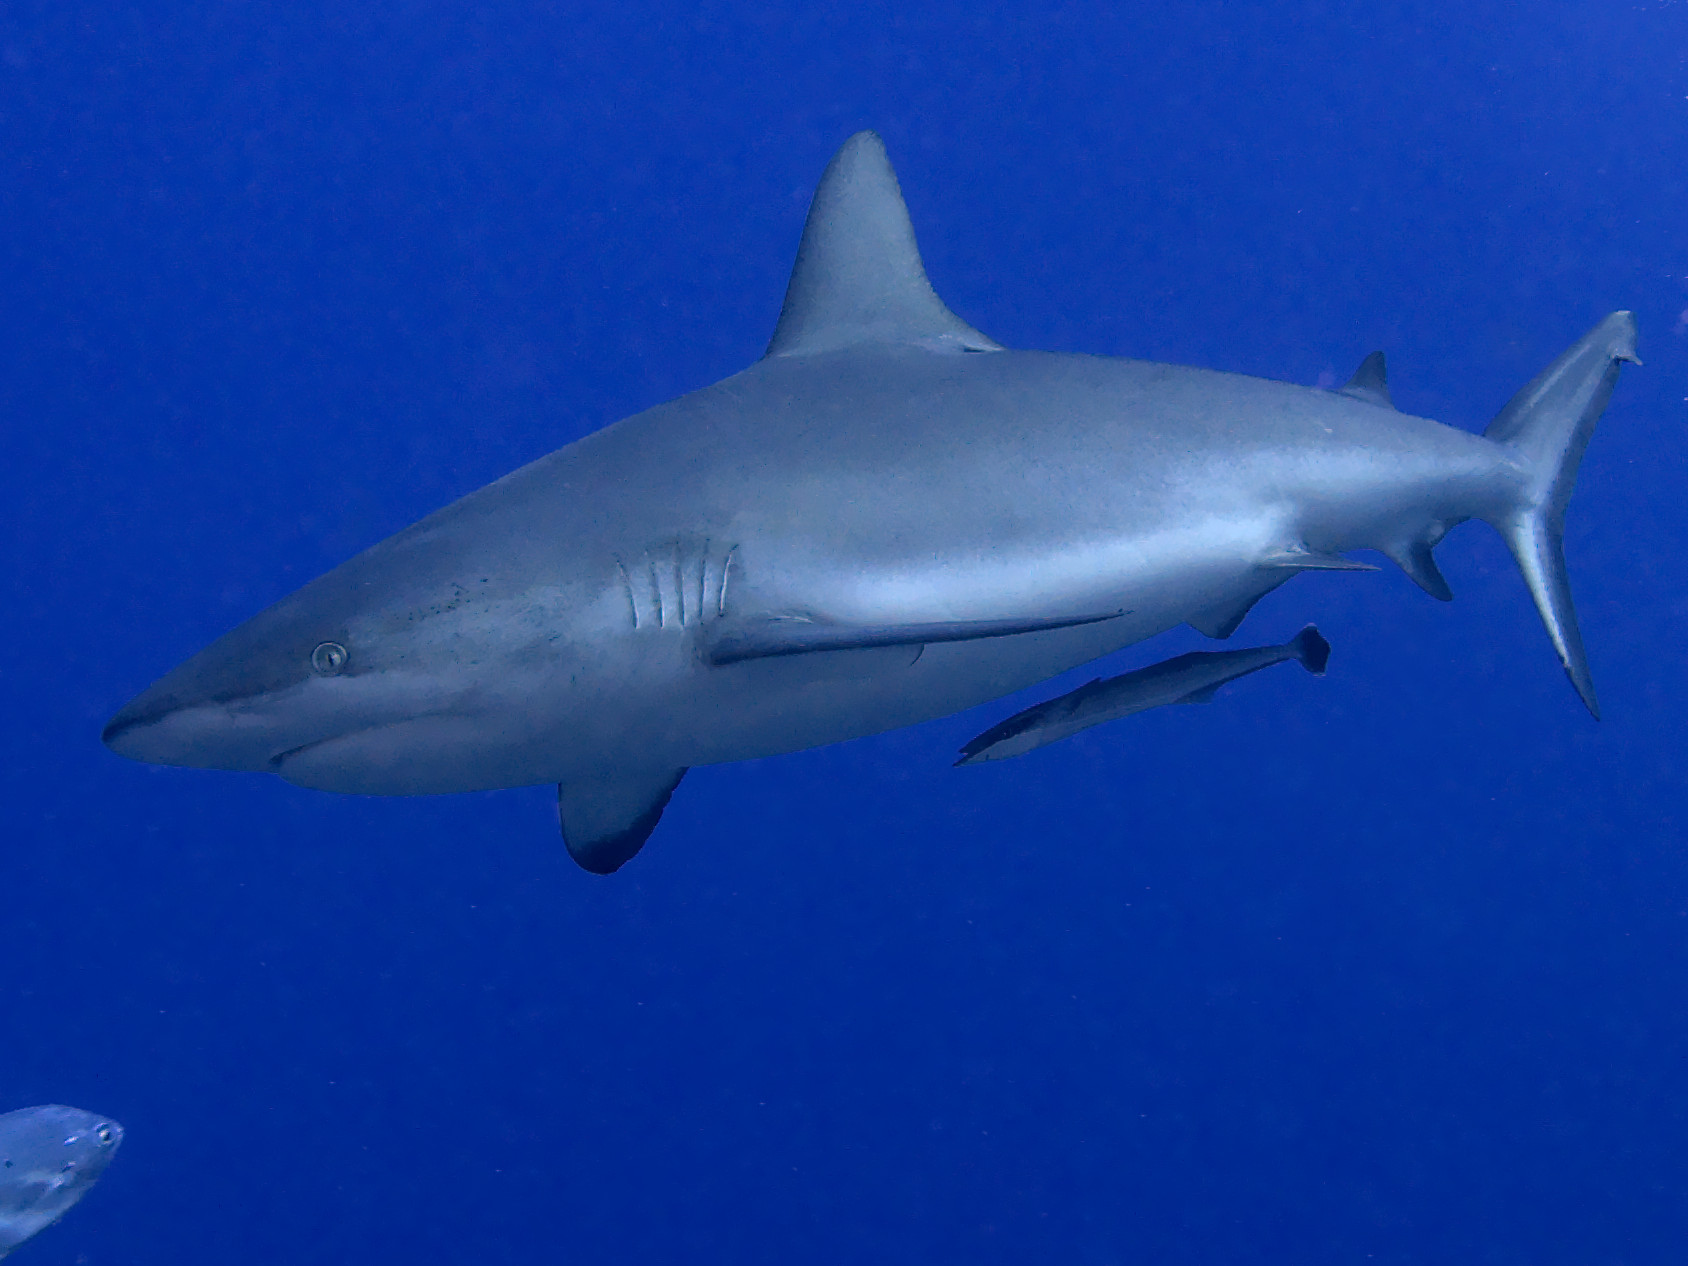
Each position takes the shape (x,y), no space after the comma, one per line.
(210,719)
(136,715)
(160,727)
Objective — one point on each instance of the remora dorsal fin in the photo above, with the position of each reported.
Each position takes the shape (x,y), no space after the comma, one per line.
(608,816)
(858,277)
(1369,383)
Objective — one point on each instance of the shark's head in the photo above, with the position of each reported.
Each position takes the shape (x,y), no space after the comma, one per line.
(384,676)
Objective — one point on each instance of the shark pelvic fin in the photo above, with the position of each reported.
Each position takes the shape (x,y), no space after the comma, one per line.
(607,817)
(858,277)
(1221,621)
(732,641)
(1370,383)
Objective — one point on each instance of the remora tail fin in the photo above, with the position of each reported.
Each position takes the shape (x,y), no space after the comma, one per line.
(1547,425)
(1311,649)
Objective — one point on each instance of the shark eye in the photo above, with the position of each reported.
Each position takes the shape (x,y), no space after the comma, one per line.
(329,658)
(104,1133)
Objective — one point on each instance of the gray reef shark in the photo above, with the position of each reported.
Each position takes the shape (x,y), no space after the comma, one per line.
(888,518)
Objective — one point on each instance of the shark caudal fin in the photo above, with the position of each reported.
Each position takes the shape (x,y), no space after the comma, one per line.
(1547,426)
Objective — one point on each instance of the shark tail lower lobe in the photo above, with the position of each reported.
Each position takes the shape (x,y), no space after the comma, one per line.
(1547,425)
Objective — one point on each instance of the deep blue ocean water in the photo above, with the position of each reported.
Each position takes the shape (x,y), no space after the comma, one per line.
(1388,967)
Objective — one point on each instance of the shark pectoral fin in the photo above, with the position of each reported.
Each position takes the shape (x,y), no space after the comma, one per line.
(1299,558)
(732,641)
(1370,383)
(1204,695)
(607,817)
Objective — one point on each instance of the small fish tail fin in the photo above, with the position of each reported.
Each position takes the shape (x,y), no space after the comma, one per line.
(1311,650)
(1547,427)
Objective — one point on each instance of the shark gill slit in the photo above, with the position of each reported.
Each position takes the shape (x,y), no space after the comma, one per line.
(627,584)
(680,581)
(726,571)
(656,594)
(703,581)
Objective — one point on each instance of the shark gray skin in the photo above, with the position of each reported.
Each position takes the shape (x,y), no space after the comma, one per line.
(1191,678)
(887,519)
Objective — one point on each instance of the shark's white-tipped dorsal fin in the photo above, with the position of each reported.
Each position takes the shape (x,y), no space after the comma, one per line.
(858,277)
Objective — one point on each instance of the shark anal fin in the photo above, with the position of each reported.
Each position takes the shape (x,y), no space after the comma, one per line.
(858,277)
(1370,383)
(607,817)
(1416,559)
(733,641)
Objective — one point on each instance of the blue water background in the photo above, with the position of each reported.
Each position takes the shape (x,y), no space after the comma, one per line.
(1388,967)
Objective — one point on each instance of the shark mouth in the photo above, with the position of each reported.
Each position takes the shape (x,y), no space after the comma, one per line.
(438,752)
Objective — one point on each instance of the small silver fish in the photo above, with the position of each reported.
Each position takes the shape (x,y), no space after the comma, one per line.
(49,1157)
(1192,678)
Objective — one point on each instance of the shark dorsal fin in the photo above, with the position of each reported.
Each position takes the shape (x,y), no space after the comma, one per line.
(858,277)
(1369,383)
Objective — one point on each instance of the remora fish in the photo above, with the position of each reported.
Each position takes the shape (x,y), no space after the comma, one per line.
(754,567)
(49,1157)
(1192,678)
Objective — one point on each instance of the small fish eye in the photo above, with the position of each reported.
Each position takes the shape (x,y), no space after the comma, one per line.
(329,658)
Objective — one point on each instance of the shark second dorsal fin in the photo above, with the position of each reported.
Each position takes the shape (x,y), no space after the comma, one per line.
(1370,383)
(858,277)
